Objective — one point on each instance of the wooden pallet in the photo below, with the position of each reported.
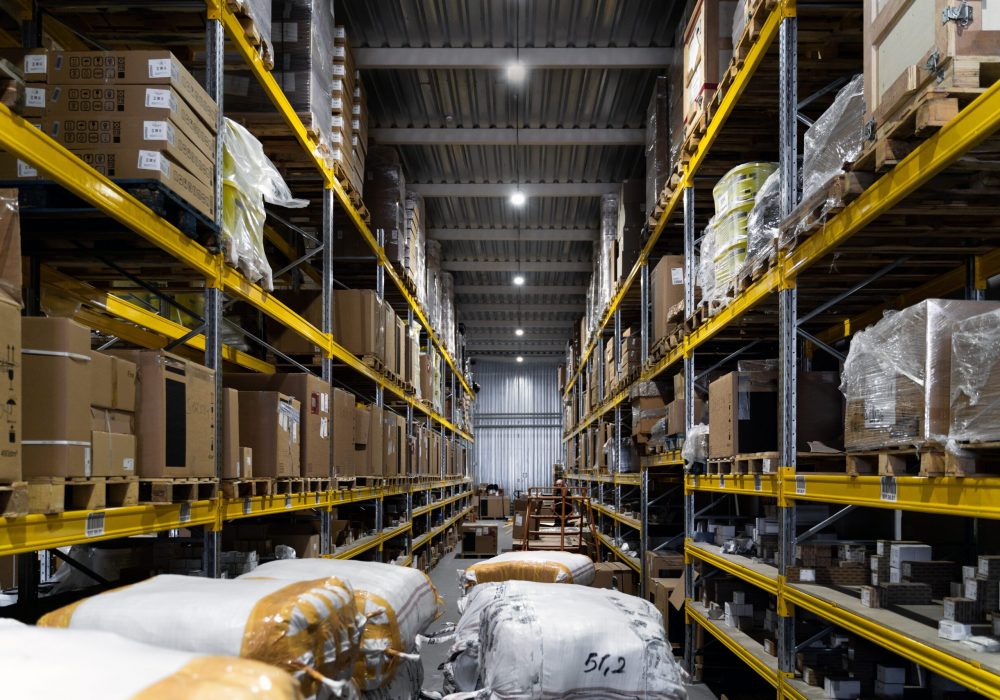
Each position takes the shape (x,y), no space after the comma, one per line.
(897,461)
(973,459)
(245,488)
(354,194)
(821,206)
(49,495)
(13,499)
(250,31)
(770,462)
(287,485)
(720,465)
(317,484)
(180,490)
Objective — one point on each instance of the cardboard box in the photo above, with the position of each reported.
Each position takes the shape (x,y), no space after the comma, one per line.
(344,432)
(112,382)
(175,415)
(270,426)
(708,48)
(390,447)
(616,575)
(56,411)
(121,68)
(491,507)
(667,289)
(375,454)
(480,538)
(358,319)
(313,395)
(402,446)
(110,421)
(675,415)
(230,447)
(112,454)
(660,565)
(246,463)
(10,337)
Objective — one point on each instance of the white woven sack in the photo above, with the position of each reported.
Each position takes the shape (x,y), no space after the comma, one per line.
(53,664)
(537,641)
(398,602)
(305,627)
(540,566)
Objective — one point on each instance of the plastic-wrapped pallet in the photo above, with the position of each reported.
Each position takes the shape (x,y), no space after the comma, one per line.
(763,220)
(975,379)
(706,265)
(249,179)
(104,666)
(398,602)
(541,566)
(296,626)
(532,641)
(657,143)
(260,12)
(610,218)
(385,198)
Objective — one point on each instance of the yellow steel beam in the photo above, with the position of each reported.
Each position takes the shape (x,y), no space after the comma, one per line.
(666,459)
(735,568)
(738,647)
(623,519)
(630,560)
(766,485)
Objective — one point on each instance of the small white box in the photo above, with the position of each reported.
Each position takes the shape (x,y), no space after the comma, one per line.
(955,631)
(739,597)
(895,575)
(889,690)
(969,572)
(899,553)
(807,575)
(890,674)
(868,597)
(842,688)
(971,586)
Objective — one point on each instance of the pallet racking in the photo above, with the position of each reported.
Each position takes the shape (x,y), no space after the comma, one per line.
(202,267)
(886,249)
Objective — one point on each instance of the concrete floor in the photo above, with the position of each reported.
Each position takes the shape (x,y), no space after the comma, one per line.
(445,578)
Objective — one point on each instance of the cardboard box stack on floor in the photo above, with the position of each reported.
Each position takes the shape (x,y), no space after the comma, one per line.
(78,419)
(128,114)
(10,333)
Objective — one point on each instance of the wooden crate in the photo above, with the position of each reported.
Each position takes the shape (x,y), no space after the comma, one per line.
(904,36)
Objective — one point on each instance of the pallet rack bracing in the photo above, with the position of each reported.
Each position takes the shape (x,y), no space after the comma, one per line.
(120,318)
(793,280)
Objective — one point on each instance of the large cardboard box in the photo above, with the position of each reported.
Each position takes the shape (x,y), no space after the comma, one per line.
(391,344)
(362,429)
(230,448)
(375,454)
(270,426)
(10,337)
(121,68)
(708,48)
(313,394)
(743,413)
(403,445)
(112,382)
(480,538)
(675,414)
(112,454)
(175,415)
(390,447)
(491,507)
(667,283)
(56,409)
(617,575)
(358,319)
(343,433)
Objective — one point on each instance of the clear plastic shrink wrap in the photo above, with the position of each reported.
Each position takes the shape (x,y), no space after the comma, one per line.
(897,376)
(706,265)
(975,379)
(398,602)
(54,664)
(540,566)
(836,138)
(249,179)
(385,199)
(695,445)
(657,143)
(763,221)
(610,210)
(533,641)
(626,452)
(295,626)
(260,12)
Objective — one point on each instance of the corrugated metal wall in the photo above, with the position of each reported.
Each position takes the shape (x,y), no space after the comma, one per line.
(517,424)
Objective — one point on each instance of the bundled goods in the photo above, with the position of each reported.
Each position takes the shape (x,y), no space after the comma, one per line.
(657,144)
(975,379)
(385,197)
(296,626)
(735,196)
(708,50)
(833,141)
(33,658)
(706,266)
(413,227)
(398,603)
(529,640)
(447,327)
(135,115)
(898,373)
(649,405)
(763,221)
(350,112)
(249,180)
(605,258)
(432,270)
(540,566)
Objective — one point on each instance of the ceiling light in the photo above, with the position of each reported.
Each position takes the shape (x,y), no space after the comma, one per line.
(516,72)
(518,280)
(520,359)
(518,198)
(518,332)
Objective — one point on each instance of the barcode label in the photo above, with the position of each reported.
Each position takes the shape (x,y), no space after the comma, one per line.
(288,501)
(159,68)
(25,170)
(95,524)
(800,485)
(316,498)
(756,483)
(247,505)
(185,513)
(889,489)
(159,98)
(722,481)
(155,131)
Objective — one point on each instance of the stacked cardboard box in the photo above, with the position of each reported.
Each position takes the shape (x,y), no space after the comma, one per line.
(658,160)
(359,133)
(349,106)
(270,426)
(667,291)
(616,575)
(649,405)
(10,331)
(708,48)
(128,114)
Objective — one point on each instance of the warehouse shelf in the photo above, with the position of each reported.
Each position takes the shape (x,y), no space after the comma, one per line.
(919,643)
(763,576)
(359,546)
(428,536)
(741,484)
(617,478)
(629,559)
(754,58)
(623,519)
(665,459)
(423,510)
(236,34)
(603,408)
(743,645)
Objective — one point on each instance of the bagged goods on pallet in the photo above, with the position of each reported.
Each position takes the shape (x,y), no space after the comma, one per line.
(529,640)
(398,602)
(763,221)
(975,379)
(898,372)
(657,143)
(31,658)
(307,628)
(541,566)
(249,179)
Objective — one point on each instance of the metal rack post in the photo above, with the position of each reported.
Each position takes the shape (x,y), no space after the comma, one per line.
(326,364)
(689,631)
(787,322)
(380,294)
(616,448)
(644,324)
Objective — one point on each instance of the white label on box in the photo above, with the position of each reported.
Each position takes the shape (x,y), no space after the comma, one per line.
(356,109)
(184,515)
(95,524)
(128,464)
(337,103)
(323,428)
(159,68)
(677,275)
(155,130)
(336,85)
(339,70)
(337,121)
(25,170)
(88,465)
(339,32)
(36,63)
(288,501)
(336,137)
(324,402)
(34,97)
(340,52)
(158,98)
(807,575)
(356,124)
(989,11)
(153,160)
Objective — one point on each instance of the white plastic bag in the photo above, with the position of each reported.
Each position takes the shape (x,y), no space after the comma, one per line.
(398,602)
(541,566)
(53,664)
(537,641)
(296,626)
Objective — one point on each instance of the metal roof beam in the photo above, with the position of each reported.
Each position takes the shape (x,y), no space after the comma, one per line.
(505,189)
(512,234)
(464,58)
(477,324)
(435,136)
(555,307)
(553,289)
(514,266)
